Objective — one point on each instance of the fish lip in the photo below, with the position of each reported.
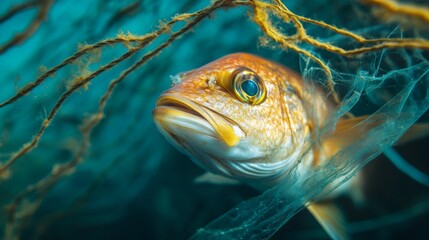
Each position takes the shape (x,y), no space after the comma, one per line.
(179,103)
(226,129)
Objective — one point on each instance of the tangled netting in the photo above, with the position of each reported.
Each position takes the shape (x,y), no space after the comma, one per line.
(61,122)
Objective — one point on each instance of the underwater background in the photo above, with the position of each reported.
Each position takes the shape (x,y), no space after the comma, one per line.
(109,174)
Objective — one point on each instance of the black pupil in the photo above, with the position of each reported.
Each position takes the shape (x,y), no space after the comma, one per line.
(250,87)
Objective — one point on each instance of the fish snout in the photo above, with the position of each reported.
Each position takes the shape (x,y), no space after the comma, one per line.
(181,117)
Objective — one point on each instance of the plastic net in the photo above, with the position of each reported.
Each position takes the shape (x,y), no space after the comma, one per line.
(77,139)
(392,84)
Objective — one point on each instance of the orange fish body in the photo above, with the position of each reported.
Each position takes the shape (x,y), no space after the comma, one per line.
(249,119)
(242,117)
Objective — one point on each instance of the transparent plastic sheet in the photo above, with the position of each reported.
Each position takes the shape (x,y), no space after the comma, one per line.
(391,85)
(261,217)
(122,162)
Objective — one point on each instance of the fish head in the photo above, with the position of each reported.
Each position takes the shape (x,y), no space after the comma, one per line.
(239,116)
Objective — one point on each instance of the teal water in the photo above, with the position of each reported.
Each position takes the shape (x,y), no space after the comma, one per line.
(133,184)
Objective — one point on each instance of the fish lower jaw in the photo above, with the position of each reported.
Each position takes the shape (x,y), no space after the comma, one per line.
(176,110)
(179,122)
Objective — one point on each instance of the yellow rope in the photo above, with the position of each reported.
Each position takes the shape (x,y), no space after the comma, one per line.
(263,13)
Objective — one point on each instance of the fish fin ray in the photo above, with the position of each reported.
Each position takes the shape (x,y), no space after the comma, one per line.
(415,132)
(330,218)
(215,179)
(348,128)
(346,132)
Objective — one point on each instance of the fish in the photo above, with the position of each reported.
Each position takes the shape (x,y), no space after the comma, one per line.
(248,119)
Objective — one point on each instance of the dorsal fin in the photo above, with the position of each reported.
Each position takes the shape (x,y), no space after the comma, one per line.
(348,129)
(346,133)
(415,132)
(330,218)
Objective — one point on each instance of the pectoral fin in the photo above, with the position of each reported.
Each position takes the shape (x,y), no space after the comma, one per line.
(331,219)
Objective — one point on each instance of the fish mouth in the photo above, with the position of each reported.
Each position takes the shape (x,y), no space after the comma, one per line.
(178,116)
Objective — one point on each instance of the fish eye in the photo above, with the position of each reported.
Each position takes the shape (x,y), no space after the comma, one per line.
(248,87)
